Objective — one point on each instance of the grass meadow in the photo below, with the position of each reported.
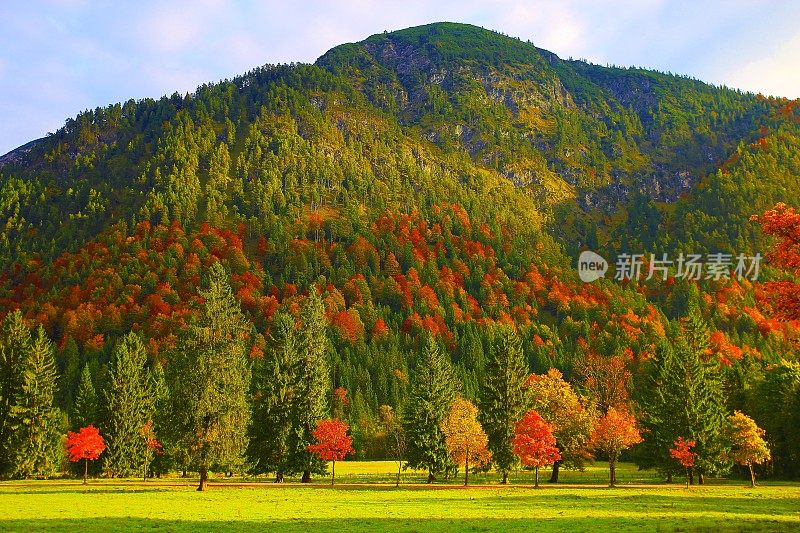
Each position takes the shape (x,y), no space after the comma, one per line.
(365,499)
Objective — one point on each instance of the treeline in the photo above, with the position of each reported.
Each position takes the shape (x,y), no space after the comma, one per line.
(216,408)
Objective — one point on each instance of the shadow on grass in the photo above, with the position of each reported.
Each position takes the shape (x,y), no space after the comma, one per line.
(395,525)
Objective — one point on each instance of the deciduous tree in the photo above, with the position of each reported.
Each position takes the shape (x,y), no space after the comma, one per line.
(466,441)
(86,444)
(614,432)
(332,443)
(683,454)
(747,445)
(569,415)
(534,442)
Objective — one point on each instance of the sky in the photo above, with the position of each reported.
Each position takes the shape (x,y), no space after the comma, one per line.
(59,57)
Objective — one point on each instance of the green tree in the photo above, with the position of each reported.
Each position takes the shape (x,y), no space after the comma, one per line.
(15,346)
(34,445)
(210,381)
(275,384)
(84,410)
(686,400)
(129,404)
(313,387)
(502,399)
(432,392)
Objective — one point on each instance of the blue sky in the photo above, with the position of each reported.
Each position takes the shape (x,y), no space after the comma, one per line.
(58,57)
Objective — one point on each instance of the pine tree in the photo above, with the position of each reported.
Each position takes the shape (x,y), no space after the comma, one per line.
(209,381)
(130,404)
(503,397)
(432,392)
(15,345)
(34,446)
(314,387)
(70,374)
(84,411)
(687,400)
(276,385)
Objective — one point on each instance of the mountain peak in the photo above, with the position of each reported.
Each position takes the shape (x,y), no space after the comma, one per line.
(438,43)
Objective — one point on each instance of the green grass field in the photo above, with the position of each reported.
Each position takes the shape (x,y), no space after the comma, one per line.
(173,504)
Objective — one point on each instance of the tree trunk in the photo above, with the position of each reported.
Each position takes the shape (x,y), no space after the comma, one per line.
(554,474)
(505,478)
(306,477)
(85,470)
(184,474)
(687,478)
(278,477)
(399,466)
(669,477)
(536,482)
(333,472)
(466,472)
(612,472)
(431,477)
(691,476)
(700,478)
(203,479)
(752,476)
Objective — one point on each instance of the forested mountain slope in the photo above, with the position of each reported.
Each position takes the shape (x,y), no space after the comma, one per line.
(437,178)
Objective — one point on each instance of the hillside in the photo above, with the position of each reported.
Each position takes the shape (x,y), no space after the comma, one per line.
(438,178)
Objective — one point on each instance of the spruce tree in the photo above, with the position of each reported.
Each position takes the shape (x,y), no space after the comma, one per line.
(130,402)
(502,399)
(687,400)
(15,345)
(432,393)
(313,387)
(70,374)
(209,381)
(275,384)
(84,410)
(34,445)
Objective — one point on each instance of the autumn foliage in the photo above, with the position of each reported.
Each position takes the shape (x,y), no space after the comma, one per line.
(466,441)
(534,442)
(86,444)
(616,431)
(682,452)
(332,442)
(747,444)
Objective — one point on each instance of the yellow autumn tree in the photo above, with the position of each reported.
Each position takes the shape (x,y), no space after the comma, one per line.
(466,441)
(747,444)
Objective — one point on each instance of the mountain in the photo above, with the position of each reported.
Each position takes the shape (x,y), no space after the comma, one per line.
(437,178)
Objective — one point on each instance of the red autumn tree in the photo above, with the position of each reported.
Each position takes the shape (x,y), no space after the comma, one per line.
(783,222)
(534,442)
(152,446)
(332,442)
(614,432)
(86,444)
(682,452)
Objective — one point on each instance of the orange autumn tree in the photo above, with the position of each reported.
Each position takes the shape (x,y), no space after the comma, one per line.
(86,444)
(152,446)
(464,437)
(682,452)
(747,444)
(783,222)
(332,442)
(614,432)
(534,442)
